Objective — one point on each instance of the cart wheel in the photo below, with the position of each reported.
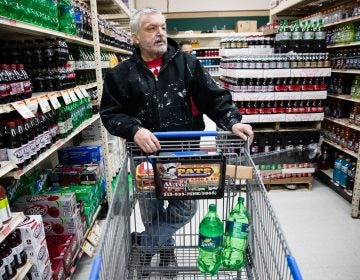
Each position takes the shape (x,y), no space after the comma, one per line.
(291,186)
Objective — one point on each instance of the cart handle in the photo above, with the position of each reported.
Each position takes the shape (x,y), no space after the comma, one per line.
(95,269)
(184,134)
(294,269)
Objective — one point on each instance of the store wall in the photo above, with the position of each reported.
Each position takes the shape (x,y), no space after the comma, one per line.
(184,24)
(176,6)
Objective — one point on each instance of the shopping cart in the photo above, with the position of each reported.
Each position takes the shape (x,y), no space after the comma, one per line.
(119,256)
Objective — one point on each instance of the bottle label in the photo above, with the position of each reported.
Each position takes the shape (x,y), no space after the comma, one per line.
(286,36)
(62,127)
(297,35)
(9,264)
(42,141)
(2,272)
(27,151)
(237,230)
(211,244)
(47,137)
(308,35)
(17,252)
(319,35)
(16,155)
(32,145)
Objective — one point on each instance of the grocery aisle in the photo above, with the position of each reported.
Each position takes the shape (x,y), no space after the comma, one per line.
(322,236)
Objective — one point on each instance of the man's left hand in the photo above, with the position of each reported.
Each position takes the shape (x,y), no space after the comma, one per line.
(244,131)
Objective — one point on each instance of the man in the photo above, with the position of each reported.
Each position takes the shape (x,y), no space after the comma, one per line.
(186,47)
(150,92)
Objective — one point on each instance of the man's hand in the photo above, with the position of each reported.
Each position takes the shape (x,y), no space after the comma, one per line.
(147,141)
(244,131)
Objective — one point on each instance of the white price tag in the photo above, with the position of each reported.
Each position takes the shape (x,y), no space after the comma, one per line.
(73,95)
(23,110)
(97,229)
(66,97)
(54,101)
(93,238)
(44,104)
(88,248)
(32,104)
(79,93)
(84,92)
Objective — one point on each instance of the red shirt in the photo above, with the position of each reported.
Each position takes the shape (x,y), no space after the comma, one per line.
(154,65)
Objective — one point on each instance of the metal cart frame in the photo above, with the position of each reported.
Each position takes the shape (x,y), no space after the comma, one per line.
(268,256)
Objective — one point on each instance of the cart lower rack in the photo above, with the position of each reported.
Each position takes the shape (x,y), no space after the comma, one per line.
(150,254)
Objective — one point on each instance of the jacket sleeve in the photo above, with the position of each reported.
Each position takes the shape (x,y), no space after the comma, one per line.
(212,100)
(113,112)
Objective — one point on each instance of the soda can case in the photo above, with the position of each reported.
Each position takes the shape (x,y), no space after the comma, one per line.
(189,177)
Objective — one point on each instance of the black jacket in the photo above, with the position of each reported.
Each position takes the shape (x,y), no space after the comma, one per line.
(133,97)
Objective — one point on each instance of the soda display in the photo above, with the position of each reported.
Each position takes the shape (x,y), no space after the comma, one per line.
(5,212)
(17,246)
(237,42)
(235,238)
(211,231)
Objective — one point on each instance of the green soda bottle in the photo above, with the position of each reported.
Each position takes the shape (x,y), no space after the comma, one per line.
(210,242)
(236,235)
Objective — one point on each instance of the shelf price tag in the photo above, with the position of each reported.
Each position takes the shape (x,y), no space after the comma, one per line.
(72,96)
(79,93)
(44,104)
(66,97)
(97,229)
(54,101)
(88,248)
(23,110)
(32,104)
(84,92)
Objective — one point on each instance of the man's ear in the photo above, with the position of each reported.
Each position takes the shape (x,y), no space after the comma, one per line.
(135,38)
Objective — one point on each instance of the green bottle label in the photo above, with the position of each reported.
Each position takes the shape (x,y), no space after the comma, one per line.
(210,243)
(237,230)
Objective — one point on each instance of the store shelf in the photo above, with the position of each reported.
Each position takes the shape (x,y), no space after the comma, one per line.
(268,118)
(6,167)
(326,177)
(345,122)
(275,73)
(246,51)
(114,49)
(348,20)
(344,97)
(206,48)
(299,8)
(21,273)
(352,44)
(17,218)
(271,96)
(283,129)
(209,66)
(6,108)
(79,253)
(208,57)
(54,147)
(341,148)
(345,71)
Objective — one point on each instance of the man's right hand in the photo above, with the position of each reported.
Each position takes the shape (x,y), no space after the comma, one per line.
(147,141)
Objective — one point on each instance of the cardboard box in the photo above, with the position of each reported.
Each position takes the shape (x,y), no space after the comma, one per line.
(38,255)
(239,172)
(246,26)
(32,231)
(43,274)
(47,205)
(57,266)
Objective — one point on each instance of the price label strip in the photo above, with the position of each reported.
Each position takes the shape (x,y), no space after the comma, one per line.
(54,101)
(66,97)
(79,93)
(23,110)
(72,96)
(88,249)
(32,104)
(93,238)
(84,92)
(44,104)
(97,229)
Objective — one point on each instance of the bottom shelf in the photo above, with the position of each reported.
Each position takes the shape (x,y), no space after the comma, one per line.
(79,253)
(290,181)
(326,177)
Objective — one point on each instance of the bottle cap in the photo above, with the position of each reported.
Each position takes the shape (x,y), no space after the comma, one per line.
(212,207)
(241,199)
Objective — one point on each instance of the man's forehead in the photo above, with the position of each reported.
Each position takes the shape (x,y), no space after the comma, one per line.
(156,19)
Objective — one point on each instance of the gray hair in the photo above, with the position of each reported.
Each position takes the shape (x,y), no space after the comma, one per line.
(135,18)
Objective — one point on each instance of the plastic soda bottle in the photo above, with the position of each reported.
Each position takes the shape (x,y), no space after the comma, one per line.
(337,168)
(210,242)
(236,236)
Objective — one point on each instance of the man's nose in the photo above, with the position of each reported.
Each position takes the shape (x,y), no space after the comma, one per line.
(161,31)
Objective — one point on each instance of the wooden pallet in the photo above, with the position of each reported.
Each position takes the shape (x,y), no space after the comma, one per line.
(289,181)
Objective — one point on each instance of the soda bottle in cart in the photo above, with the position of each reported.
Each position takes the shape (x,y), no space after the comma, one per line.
(236,236)
(210,242)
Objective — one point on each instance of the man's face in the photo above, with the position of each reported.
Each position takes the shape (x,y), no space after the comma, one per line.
(151,38)
(186,48)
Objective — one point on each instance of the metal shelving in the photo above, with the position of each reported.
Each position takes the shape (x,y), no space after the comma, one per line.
(300,8)
(344,122)
(344,97)
(348,20)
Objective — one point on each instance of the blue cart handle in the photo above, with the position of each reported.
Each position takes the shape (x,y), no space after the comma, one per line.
(185,134)
(295,272)
(95,269)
